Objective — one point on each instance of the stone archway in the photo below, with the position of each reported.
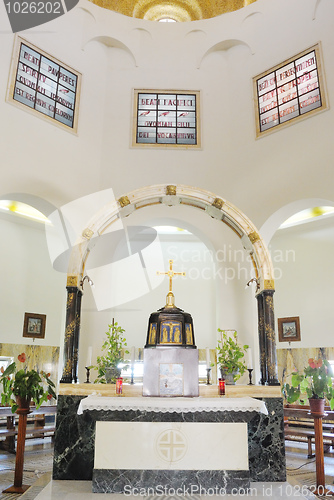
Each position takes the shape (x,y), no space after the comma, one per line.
(170,195)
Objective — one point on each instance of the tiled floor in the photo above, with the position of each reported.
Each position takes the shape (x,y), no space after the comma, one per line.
(38,466)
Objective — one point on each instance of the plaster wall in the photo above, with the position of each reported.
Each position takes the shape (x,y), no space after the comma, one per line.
(219,57)
(305,265)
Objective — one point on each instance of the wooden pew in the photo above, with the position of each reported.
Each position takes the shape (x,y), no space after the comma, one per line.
(299,426)
(37,417)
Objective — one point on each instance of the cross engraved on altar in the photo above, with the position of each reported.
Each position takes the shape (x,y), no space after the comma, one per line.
(171,445)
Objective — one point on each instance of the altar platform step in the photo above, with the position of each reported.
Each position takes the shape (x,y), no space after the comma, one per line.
(82,490)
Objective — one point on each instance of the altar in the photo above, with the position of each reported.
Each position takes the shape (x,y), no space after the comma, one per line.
(131,441)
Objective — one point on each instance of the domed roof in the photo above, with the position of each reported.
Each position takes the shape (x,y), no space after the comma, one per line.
(174,10)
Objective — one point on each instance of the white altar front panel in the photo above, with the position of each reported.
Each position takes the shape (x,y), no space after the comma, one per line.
(171,445)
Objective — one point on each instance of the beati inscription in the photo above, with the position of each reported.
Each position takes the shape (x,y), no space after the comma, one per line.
(45,86)
(161,116)
(288,92)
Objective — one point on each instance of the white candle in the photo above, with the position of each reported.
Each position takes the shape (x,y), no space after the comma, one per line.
(250,359)
(208,361)
(89,356)
(133,355)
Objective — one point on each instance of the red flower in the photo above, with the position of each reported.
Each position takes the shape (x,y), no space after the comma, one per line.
(318,364)
(49,397)
(22,357)
(311,363)
(48,375)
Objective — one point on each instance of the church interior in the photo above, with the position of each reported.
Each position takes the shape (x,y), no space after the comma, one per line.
(99,196)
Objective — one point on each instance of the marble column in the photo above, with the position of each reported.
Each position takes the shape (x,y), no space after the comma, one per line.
(262,340)
(71,314)
(76,338)
(269,328)
(267,341)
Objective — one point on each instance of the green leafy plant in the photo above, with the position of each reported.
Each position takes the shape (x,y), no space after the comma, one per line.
(114,347)
(315,382)
(230,354)
(27,384)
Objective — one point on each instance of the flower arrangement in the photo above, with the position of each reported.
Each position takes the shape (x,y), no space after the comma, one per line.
(315,382)
(230,354)
(108,365)
(25,384)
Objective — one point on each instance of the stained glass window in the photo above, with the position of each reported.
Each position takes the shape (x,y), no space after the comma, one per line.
(289,91)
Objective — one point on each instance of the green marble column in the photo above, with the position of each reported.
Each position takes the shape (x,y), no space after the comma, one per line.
(70,328)
(267,341)
(262,340)
(269,328)
(76,338)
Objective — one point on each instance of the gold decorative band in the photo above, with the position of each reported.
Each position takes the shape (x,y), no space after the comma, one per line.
(72,280)
(254,237)
(87,233)
(170,190)
(124,201)
(269,284)
(218,203)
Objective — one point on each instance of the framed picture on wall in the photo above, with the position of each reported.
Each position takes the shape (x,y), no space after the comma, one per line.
(34,325)
(289,329)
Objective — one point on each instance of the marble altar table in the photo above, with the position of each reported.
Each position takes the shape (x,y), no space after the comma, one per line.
(184,456)
(81,426)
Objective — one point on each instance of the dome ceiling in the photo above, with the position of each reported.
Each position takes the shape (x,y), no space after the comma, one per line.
(177,10)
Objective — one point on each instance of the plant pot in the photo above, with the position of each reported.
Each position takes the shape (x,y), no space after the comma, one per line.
(111,374)
(317,406)
(229,377)
(23,402)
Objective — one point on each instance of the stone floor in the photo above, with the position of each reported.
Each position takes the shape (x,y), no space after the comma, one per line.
(38,466)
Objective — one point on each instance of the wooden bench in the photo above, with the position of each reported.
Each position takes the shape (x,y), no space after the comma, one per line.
(299,426)
(35,417)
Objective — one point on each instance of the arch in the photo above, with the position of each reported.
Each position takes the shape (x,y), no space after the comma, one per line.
(171,195)
(271,225)
(214,206)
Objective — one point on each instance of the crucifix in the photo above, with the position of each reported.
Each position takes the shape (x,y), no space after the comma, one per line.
(171,274)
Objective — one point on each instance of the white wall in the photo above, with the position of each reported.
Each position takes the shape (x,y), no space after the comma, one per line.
(304,262)
(213,291)
(28,283)
(219,57)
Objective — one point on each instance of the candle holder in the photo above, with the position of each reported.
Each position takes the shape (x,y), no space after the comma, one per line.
(221,387)
(208,370)
(119,386)
(250,376)
(87,375)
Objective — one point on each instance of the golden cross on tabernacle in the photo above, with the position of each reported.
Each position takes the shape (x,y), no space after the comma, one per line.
(171,274)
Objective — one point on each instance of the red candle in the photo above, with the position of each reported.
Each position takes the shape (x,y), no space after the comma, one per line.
(221,387)
(119,385)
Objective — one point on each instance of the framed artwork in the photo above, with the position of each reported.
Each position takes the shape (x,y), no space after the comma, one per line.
(289,329)
(34,325)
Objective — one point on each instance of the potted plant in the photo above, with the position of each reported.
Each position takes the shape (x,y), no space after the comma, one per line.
(21,386)
(314,383)
(107,367)
(230,357)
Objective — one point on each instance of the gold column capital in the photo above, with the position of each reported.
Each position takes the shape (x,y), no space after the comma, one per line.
(269,284)
(72,280)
